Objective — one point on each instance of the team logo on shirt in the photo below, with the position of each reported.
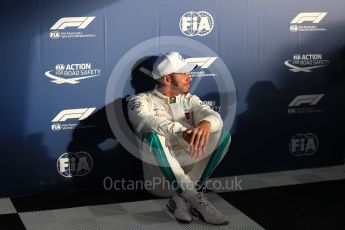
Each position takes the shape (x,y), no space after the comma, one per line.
(135,105)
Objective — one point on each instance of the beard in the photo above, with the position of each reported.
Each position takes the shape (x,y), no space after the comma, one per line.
(187,88)
(181,89)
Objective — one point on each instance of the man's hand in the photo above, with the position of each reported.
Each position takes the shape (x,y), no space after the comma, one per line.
(197,138)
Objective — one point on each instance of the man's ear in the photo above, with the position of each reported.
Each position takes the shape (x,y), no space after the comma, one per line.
(167,79)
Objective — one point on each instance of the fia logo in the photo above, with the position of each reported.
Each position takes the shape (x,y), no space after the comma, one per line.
(293,28)
(54,34)
(196,23)
(56,127)
(303,144)
(74,164)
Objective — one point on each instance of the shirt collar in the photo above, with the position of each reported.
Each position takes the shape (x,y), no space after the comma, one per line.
(166,99)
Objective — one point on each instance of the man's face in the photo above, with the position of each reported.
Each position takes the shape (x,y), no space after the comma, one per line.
(180,82)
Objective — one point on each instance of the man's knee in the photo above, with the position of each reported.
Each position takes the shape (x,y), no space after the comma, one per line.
(217,139)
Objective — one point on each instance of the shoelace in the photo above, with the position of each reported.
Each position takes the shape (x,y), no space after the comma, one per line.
(203,198)
(204,202)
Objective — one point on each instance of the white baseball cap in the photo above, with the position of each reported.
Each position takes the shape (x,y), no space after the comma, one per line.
(171,63)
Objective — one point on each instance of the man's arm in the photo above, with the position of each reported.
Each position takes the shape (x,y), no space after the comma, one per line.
(143,118)
(207,121)
(203,112)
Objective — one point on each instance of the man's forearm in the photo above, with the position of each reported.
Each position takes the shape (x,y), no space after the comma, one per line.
(151,123)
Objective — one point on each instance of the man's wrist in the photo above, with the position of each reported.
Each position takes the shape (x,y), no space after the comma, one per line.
(207,121)
(181,131)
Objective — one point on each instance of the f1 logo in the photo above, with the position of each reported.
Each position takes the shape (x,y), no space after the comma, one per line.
(314,17)
(80,22)
(306,99)
(80,114)
(202,62)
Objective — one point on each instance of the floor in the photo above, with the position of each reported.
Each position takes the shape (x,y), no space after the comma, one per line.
(297,199)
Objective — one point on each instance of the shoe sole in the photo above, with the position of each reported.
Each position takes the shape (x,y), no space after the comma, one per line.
(197,214)
(201,217)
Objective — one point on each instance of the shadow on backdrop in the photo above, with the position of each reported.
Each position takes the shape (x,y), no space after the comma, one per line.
(95,136)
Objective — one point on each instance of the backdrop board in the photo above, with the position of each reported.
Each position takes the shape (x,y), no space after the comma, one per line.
(274,70)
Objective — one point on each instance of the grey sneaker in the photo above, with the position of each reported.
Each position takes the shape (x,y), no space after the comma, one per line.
(180,207)
(202,208)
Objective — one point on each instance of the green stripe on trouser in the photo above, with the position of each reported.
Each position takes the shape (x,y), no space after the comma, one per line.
(161,159)
(217,155)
